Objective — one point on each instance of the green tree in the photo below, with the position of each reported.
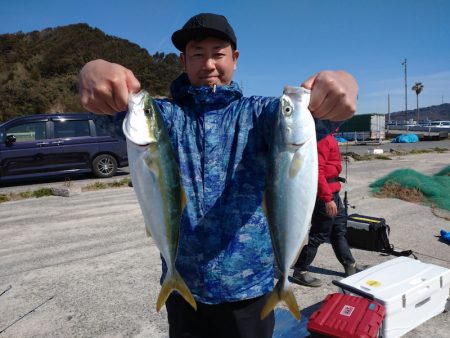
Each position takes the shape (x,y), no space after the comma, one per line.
(418,87)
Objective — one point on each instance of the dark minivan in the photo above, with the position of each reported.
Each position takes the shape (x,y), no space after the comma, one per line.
(48,144)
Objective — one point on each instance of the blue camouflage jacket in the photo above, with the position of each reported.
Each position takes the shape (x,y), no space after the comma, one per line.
(221,142)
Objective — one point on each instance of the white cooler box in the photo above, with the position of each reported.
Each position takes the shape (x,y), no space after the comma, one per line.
(411,291)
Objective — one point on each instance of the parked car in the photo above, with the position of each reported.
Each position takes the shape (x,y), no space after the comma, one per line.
(439,124)
(60,144)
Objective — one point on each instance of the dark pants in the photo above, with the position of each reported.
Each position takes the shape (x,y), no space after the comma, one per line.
(227,320)
(323,228)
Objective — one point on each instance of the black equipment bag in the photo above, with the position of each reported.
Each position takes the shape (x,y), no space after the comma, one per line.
(368,233)
(371,234)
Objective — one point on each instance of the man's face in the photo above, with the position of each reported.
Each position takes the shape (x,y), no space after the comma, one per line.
(209,62)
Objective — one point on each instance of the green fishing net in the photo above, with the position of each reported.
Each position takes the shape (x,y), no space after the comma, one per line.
(435,189)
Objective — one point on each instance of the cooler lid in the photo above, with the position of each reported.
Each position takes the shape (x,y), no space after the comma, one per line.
(395,277)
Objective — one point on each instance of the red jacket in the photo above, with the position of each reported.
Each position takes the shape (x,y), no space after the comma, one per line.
(330,167)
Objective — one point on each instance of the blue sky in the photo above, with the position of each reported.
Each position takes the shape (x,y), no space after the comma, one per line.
(282,42)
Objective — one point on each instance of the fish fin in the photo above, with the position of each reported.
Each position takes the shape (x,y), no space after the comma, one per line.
(154,168)
(172,282)
(150,160)
(296,164)
(278,294)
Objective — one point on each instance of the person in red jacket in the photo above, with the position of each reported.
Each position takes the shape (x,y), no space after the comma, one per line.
(329,217)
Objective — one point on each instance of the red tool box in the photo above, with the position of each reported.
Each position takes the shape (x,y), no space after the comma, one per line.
(346,316)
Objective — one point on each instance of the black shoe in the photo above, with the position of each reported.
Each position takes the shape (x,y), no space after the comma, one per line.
(305,278)
(352,269)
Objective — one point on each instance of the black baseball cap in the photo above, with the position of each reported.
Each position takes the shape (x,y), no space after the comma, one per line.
(204,25)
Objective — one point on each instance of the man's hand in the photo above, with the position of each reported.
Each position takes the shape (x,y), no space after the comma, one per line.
(331,208)
(104,87)
(333,95)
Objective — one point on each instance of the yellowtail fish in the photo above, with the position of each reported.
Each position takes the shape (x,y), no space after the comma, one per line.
(156,181)
(291,188)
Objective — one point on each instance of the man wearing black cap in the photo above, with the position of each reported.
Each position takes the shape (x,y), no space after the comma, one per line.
(220,138)
(202,26)
(207,36)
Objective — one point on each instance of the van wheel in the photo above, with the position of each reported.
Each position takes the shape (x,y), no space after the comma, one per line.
(104,166)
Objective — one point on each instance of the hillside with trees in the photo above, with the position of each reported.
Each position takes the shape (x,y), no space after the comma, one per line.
(39,70)
(437,112)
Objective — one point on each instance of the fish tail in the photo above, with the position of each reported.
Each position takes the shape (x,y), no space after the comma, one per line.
(174,281)
(278,294)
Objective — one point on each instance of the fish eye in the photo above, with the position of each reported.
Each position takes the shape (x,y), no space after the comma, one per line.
(287,110)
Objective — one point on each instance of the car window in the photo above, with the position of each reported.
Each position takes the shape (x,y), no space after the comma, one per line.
(104,125)
(71,128)
(27,132)
(102,129)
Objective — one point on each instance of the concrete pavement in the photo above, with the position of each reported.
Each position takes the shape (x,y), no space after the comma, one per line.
(86,264)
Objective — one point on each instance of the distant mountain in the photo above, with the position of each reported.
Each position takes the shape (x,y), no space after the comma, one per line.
(39,70)
(439,112)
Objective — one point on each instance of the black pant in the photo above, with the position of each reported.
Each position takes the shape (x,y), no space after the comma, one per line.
(227,320)
(323,228)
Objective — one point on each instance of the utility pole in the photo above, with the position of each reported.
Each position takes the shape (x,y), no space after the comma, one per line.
(406,91)
(389,108)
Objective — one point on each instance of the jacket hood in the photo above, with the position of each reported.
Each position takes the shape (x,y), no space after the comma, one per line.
(184,93)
